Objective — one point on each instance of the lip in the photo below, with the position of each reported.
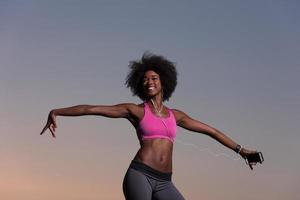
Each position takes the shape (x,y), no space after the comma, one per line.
(150,90)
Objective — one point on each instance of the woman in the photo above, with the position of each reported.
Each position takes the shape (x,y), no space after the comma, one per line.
(153,79)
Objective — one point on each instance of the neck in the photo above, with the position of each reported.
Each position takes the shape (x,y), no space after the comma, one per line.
(158,109)
(157,100)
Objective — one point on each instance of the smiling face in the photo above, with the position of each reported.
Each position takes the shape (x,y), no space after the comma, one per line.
(152,84)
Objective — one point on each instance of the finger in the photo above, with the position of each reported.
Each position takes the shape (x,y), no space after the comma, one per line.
(45,128)
(53,120)
(52,132)
(54,123)
(253,163)
(250,165)
(53,127)
(43,131)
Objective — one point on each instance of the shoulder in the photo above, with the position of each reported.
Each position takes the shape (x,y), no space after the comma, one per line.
(132,106)
(178,112)
(179,115)
(135,111)
(129,105)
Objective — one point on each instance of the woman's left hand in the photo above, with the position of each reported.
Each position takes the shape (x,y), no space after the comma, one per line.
(246,152)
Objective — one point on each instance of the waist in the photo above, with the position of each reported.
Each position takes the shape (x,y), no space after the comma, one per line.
(156,153)
(142,167)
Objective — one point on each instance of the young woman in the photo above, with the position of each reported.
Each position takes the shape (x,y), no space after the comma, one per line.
(153,79)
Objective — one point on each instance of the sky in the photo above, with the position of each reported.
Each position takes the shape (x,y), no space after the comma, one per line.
(238,67)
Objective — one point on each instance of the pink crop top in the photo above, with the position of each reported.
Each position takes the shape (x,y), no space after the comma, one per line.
(152,126)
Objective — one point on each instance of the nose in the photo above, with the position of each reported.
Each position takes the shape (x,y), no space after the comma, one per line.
(148,82)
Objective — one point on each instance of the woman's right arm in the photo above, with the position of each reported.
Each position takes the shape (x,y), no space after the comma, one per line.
(115,111)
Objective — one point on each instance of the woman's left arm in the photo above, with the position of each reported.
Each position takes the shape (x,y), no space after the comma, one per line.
(186,122)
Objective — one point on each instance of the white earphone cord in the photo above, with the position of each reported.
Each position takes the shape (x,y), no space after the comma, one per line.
(207,149)
(202,149)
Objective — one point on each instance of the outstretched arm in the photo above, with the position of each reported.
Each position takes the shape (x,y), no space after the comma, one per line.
(186,122)
(115,111)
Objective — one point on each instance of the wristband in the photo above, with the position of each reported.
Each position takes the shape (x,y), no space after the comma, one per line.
(238,149)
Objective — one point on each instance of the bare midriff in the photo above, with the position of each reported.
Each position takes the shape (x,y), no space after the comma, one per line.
(156,153)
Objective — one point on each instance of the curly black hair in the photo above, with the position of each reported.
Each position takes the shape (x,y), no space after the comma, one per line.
(160,65)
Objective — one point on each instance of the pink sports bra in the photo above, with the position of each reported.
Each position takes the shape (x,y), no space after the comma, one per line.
(152,126)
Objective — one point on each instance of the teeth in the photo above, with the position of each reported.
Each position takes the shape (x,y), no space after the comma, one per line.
(151,88)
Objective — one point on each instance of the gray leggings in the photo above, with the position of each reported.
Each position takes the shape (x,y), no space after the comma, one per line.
(142,182)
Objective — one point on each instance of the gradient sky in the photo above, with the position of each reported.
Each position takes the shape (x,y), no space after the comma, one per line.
(238,64)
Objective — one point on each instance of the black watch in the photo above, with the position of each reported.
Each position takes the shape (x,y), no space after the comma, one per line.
(238,148)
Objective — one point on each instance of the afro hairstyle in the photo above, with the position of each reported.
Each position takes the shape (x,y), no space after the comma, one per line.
(160,65)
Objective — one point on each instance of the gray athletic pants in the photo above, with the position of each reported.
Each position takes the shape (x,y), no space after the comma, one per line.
(142,182)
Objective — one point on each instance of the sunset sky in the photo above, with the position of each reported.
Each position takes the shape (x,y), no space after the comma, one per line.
(238,65)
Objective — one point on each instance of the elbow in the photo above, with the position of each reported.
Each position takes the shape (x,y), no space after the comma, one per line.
(90,110)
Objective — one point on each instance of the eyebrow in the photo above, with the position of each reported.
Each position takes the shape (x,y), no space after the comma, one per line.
(151,76)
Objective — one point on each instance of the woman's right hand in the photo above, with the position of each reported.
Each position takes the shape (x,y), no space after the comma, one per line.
(51,124)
